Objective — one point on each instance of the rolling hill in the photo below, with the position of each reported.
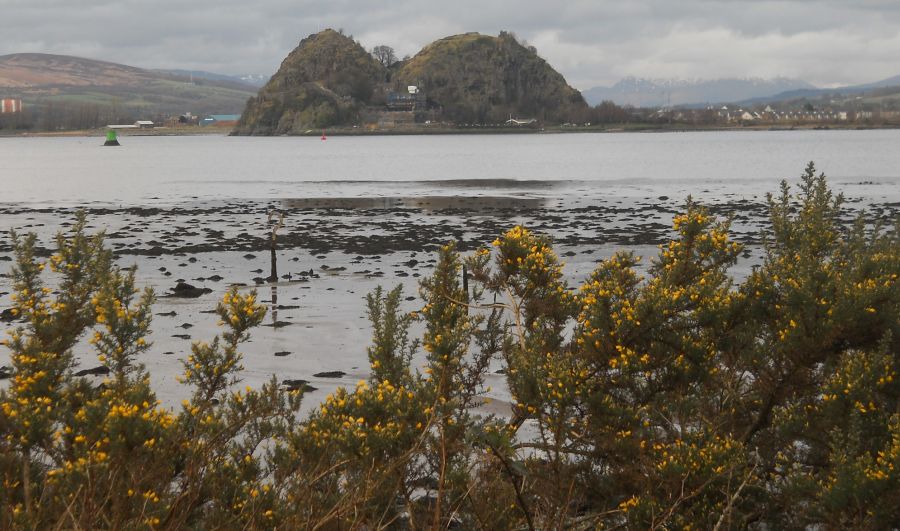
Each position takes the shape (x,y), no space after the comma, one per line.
(875,90)
(253,80)
(45,81)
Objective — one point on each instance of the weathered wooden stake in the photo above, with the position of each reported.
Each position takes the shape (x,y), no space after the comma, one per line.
(466,286)
(274,242)
(466,282)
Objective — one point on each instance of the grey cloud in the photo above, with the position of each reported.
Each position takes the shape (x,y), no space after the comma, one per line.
(592,42)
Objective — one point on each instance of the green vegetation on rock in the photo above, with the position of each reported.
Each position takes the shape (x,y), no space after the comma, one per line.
(325,81)
(477,78)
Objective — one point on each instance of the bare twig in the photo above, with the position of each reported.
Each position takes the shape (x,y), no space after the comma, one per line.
(731,501)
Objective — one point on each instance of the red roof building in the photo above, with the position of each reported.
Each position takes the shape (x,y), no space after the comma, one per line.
(9,105)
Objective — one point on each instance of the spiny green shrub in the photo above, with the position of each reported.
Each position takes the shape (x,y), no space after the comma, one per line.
(672,397)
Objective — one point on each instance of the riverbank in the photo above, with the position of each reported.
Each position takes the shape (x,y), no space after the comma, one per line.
(427,129)
(210,130)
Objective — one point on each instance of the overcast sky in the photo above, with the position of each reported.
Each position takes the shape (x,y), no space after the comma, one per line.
(592,42)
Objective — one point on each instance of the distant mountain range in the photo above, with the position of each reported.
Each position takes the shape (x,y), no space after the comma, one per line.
(640,92)
(254,80)
(817,93)
(41,80)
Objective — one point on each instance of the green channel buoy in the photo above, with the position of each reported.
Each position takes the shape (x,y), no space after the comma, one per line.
(111,139)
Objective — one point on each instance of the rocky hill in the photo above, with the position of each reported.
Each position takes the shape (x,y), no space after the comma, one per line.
(45,80)
(483,79)
(330,80)
(325,81)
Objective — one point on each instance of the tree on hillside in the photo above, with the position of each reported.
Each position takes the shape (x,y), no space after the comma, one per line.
(384,54)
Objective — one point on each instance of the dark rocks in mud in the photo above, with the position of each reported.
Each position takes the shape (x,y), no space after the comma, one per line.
(5,372)
(8,316)
(181,336)
(330,374)
(102,370)
(368,231)
(282,354)
(298,385)
(188,291)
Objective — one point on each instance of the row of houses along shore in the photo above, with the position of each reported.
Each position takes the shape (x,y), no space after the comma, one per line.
(738,115)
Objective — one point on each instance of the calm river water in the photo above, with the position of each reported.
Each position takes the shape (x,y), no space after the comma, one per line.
(167,170)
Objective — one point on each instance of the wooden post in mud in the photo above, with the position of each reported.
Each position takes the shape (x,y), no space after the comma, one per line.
(466,282)
(466,286)
(274,242)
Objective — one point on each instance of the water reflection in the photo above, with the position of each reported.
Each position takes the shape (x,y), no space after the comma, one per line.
(485,203)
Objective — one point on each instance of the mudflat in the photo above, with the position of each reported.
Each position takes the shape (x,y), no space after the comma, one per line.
(331,252)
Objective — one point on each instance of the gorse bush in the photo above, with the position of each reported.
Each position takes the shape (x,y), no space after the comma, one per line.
(670,398)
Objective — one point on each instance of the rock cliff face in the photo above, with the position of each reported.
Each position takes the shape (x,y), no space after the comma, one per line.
(329,80)
(323,82)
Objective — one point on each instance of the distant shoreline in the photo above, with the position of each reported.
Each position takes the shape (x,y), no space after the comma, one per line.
(620,128)
(101,132)
(424,130)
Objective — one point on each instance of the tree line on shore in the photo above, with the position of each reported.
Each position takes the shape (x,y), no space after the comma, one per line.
(676,397)
(64,116)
